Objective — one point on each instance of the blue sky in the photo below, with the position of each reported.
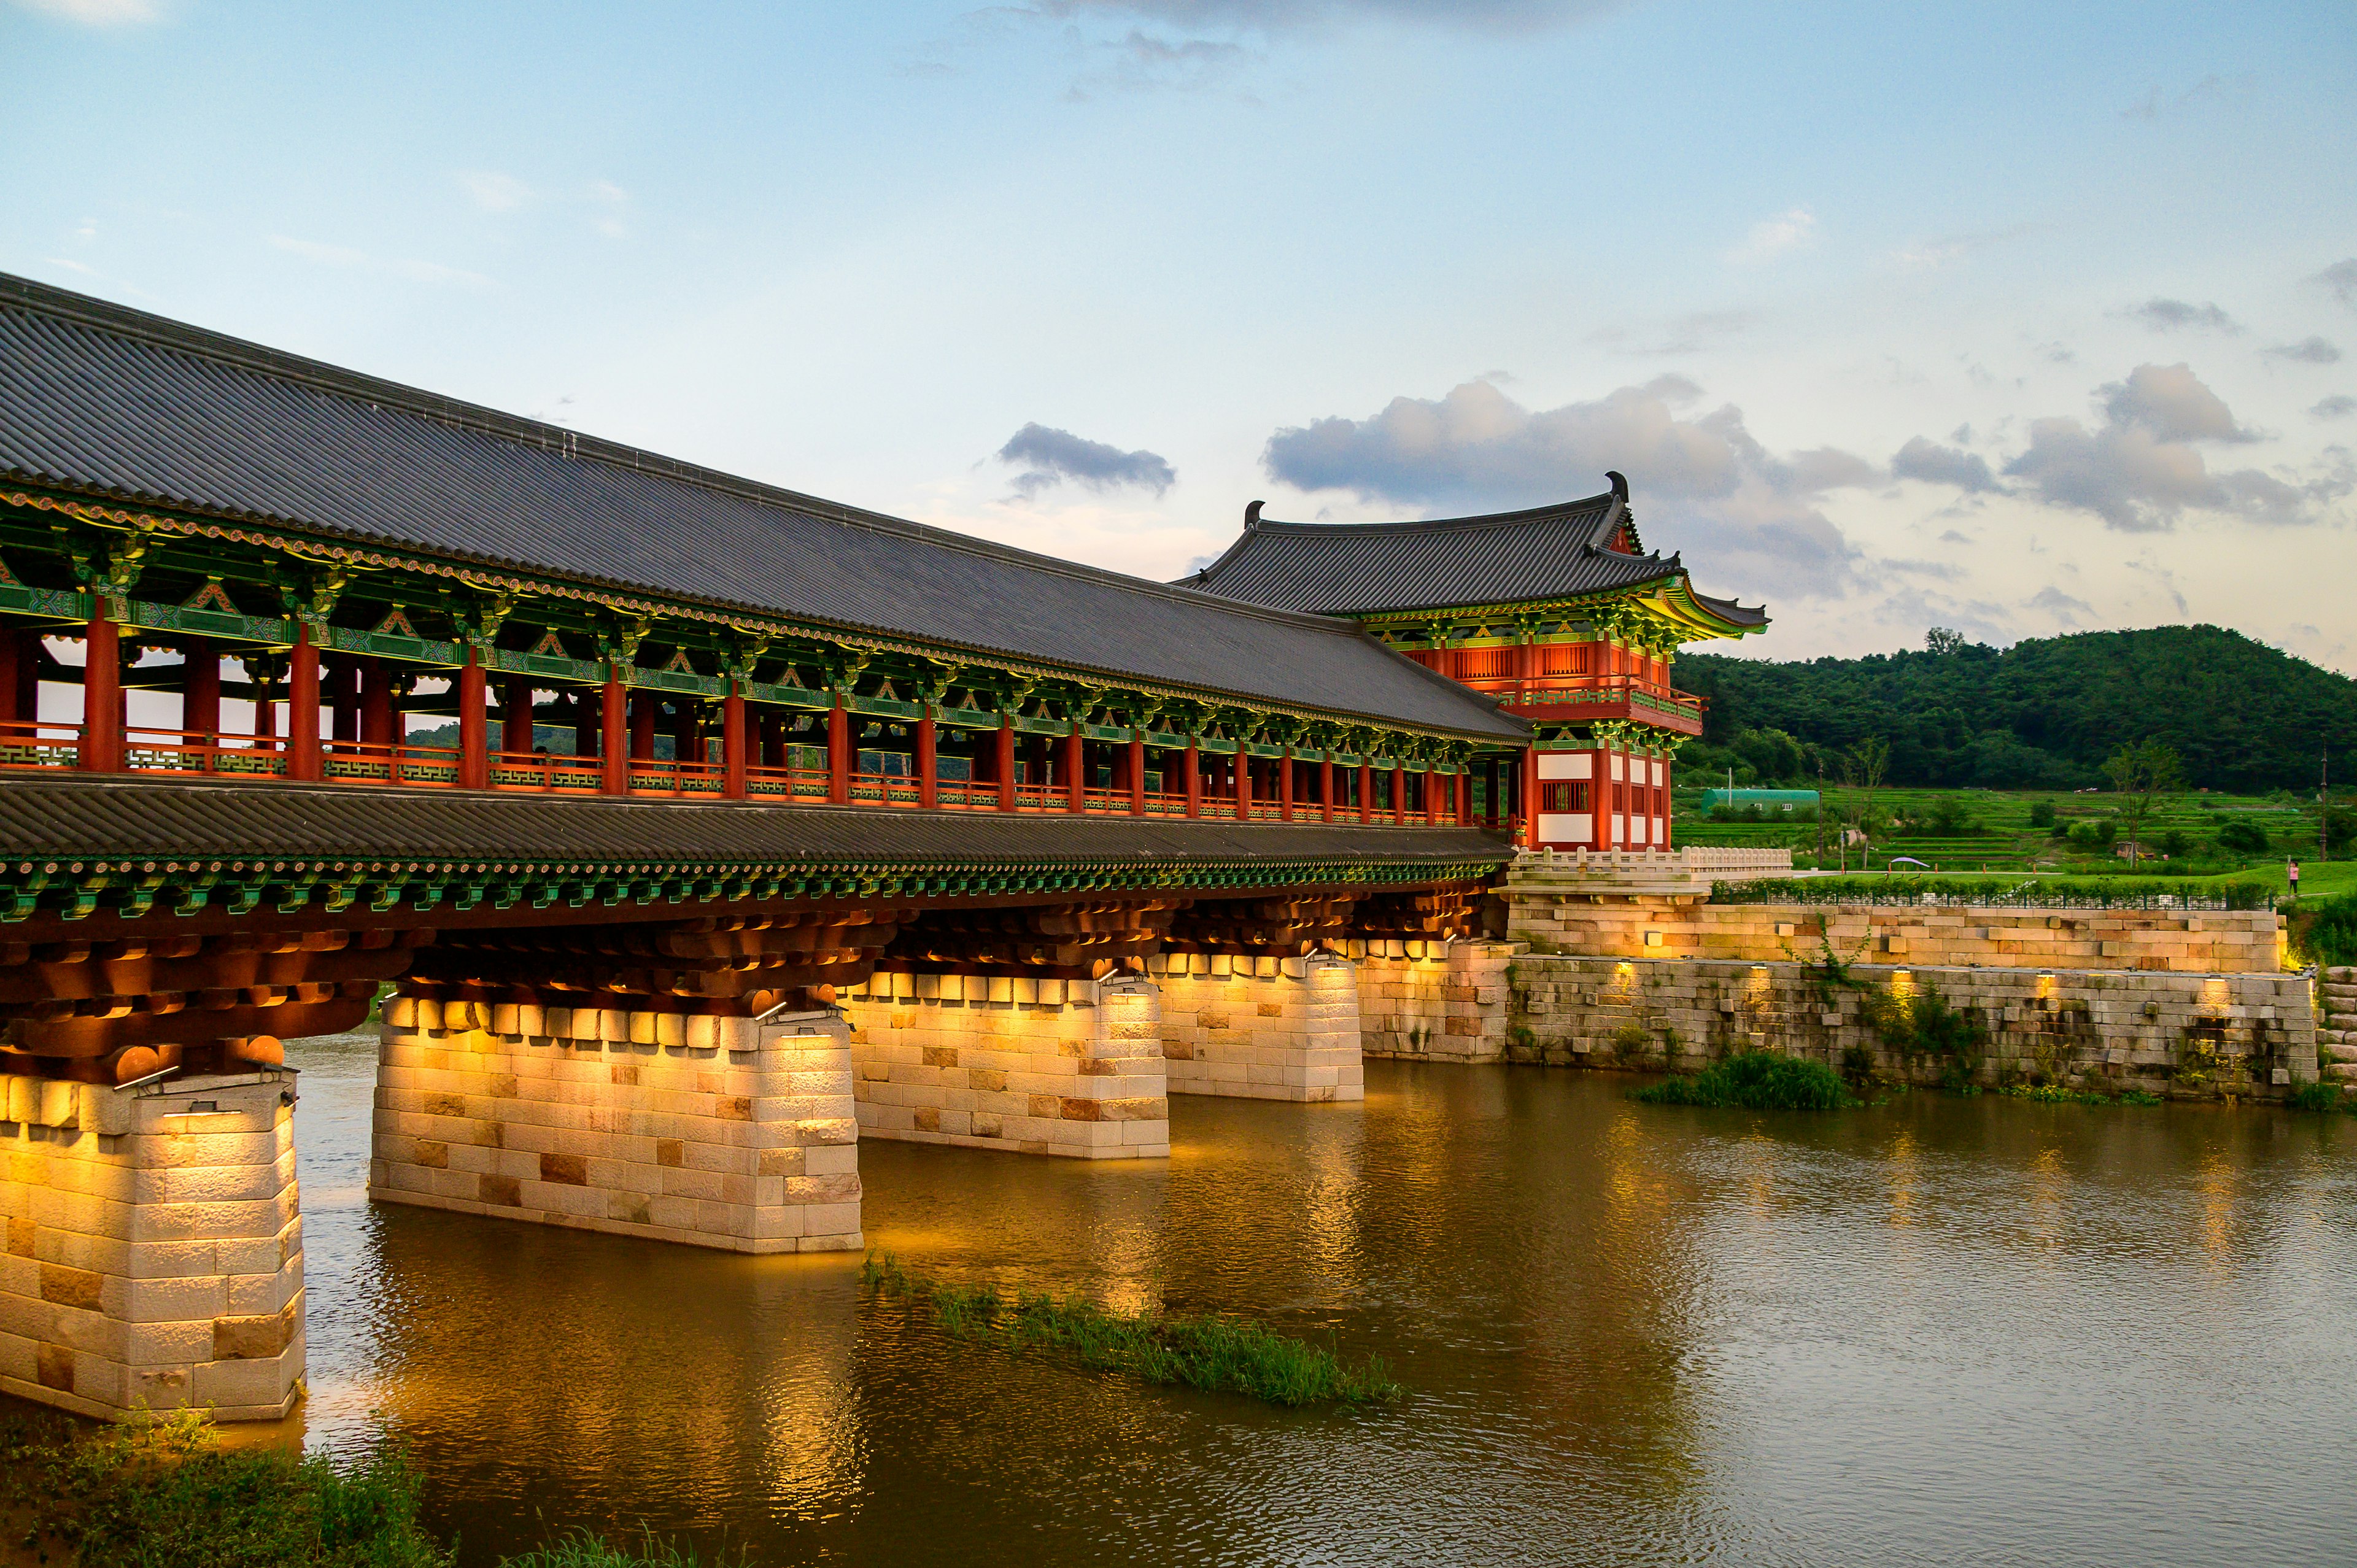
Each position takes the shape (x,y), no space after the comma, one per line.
(2017,319)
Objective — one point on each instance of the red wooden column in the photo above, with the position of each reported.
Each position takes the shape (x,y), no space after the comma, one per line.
(1137,773)
(19,651)
(302,708)
(732,744)
(201,688)
(1431,798)
(1399,796)
(1244,783)
(929,762)
(515,715)
(1366,791)
(474,725)
(616,707)
(1529,793)
(102,696)
(838,753)
(1194,780)
(1285,786)
(1005,759)
(1461,794)
(1076,783)
(376,705)
(642,705)
(1325,786)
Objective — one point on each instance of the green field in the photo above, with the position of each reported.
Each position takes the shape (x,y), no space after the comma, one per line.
(1992,830)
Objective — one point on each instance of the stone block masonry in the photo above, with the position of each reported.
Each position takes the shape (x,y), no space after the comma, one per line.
(2336,1035)
(1035,1067)
(154,1247)
(728,1132)
(2189,1036)
(1260,1028)
(1434,1001)
(2156,941)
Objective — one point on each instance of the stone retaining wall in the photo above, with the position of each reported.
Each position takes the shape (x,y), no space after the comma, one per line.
(2191,942)
(1262,1028)
(2336,1032)
(722,1132)
(154,1247)
(2184,1035)
(1038,1067)
(1433,1002)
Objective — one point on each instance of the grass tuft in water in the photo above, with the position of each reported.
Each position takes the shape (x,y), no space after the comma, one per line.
(1754,1080)
(2061,1094)
(1217,1354)
(579,1549)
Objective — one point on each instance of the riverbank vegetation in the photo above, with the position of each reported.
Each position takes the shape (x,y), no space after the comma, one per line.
(1754,1080)
(1217,1354)
(163,1494)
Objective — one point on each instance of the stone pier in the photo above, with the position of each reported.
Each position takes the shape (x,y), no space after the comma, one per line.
(1262,1028)
(1038,1067)
(728,1132)
(1433,1001)
(154,1246)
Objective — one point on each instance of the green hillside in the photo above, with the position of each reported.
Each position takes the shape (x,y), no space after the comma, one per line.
(2040,715)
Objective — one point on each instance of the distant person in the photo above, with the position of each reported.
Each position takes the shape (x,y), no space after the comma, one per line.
(2292,872)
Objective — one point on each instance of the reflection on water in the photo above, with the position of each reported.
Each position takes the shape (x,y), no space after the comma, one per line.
(1938,1331)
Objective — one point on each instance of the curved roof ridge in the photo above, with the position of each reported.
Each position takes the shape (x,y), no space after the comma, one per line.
(1442,524)
(115,403)
(245,354)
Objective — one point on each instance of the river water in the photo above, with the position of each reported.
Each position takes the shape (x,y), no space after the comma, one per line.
(1940,1330)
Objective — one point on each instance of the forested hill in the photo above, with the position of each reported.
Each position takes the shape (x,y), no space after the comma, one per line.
(2044,713)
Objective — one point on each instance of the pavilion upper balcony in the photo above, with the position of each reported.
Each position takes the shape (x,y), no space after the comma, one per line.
(638,737)
(1570,682)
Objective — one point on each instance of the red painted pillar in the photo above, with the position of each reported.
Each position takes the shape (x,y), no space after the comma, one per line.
(1669,828)
(732,744)
(929,767)
(1399,796)
(376,705)
(1244,783)
(1194,779)
(515,715)
(1530,796)
(102,697)
(838,753)
(1366,792)
(1285,786)
(642,705)
(474,725)
(19,650)
(1006,762)
(1325,786)
(302,708)
(1076,783)
(1431,798)
(200,689)
(1136,774)
(615,705)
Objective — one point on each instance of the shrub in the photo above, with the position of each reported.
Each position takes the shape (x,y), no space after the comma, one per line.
(2324,931)
(2317,1096)
(2042,815)
(1754,1080)
(1923,1022)
(2242,838)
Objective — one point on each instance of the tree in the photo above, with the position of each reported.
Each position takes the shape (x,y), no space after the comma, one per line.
(1862,769)
(2143,773)
(1944,640)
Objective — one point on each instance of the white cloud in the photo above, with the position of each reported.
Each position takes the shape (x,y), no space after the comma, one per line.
(494,192)
(413,270)
(1751,518)
(1773,237)
(98,13)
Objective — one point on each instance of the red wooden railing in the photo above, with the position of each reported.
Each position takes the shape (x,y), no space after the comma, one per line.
(56,745)
(389,762)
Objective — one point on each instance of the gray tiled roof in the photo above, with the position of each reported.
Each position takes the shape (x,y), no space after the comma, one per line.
(1515,557)
(101,399)
(67,816)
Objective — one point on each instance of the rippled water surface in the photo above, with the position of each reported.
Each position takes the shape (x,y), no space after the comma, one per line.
(1937,1331)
